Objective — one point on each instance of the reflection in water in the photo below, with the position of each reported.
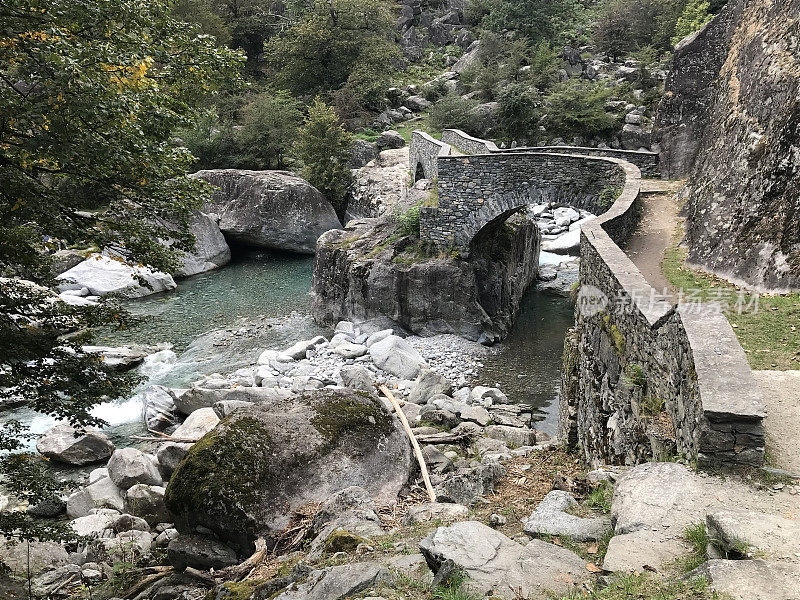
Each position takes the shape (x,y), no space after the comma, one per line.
(528,366)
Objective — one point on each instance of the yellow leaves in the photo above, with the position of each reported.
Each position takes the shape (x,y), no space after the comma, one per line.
(130,77)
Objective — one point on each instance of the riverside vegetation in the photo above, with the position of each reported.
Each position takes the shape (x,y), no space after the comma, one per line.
(144,144)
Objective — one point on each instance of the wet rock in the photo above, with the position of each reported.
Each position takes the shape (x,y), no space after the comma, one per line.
(210,250)
(64,444)
(159,407)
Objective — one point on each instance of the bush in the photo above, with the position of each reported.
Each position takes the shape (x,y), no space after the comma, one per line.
(626,25)
(269,128)
(518,113)
(212,143)
(578,107)
(694,17)
(435,90)
(454,112)
(408,222)
(324,149)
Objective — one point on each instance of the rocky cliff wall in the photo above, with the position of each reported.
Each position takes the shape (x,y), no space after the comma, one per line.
(731,122)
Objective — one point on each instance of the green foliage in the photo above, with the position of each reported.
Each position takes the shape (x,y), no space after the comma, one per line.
(435,90)
(324,149)
(625,26)
(694,17)
(544,64)
(697,536)
(649,587)
(408,222)
(518,112)
(453,589)
(578,107)
(337,44)
(90,93)
(455,112)
(534,20)
(270,124)
(600,498)
(652,405)
(634,375)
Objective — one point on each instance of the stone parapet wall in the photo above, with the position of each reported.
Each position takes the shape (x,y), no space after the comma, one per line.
(468,144)
(648,162)
(644,378)
(423,154)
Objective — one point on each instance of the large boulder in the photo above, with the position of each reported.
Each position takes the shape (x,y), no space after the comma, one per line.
(397,357)
(380,186)
(750,579)
(366,272)
(337,583)
(64,444)
(551,517)
(200,553)
(100,494)
(245,478)
(129,466)
(269,209)
(210,251)
(103,275)
(41,556)
(495,564)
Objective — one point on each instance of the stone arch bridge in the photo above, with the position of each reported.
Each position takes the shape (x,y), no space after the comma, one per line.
(479,191)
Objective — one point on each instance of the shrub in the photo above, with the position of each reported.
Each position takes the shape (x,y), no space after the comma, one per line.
(269,128)
(212,143)
(694,17)
(518,112)
(324,149)
(435,90)
(408,222)
(454,112)
(578,107)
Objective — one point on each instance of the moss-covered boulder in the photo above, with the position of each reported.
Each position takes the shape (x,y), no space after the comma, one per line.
(243,479)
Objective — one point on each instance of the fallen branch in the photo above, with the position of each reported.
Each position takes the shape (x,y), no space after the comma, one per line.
(417,450)
(443,438)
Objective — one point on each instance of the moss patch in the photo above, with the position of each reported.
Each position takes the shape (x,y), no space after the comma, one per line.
(341,415)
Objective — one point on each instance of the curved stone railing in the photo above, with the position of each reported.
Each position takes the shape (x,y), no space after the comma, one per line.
(466,143)
(423,154)
(639,371)
(648,162)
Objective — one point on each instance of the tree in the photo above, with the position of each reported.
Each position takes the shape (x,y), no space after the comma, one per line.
(455,112)
(694,17)
(535,20)
(336,42)
(324,149)
(627,25)
(90,93)
(269,128)
(578,107)
(518,112)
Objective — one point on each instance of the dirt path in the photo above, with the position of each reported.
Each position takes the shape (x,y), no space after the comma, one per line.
(653,235)
(781,393)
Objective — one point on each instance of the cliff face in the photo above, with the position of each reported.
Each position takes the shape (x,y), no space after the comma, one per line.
(730,121)
(365,272)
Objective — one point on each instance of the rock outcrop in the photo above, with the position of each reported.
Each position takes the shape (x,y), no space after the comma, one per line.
(730,120)
(210,251)
(269,209)
(380,185)
(245,478)
(367,271)
(64,444)
(99,275)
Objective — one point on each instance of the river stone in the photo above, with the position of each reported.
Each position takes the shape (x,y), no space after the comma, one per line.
(147,502)
(200,397)
(551,518)
(435,511)
(429,384)
(103,275)
(169,456)
(99,524)
(336,583)
(223,408)
(43,556)
(468,485)
(514,436)
(314,445)
(476,414)
(357,377)
(350,350)
(42,585)
(61,444)
(159,407)
(751,579)
(127,522)
(196,425)
(100,494)
(768,536)
(129,466)
(494,564)
(269,209)
(397,357)
(480,394)
(210,250)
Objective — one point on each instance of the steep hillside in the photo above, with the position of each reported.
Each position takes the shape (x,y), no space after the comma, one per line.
(731,122)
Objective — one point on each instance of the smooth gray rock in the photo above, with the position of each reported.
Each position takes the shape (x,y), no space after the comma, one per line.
(129,466)
(390,139)
(357,377)
(210,250)
(495,564)
(642,550)
(337,583)
(468,485)
(100,494)
(361,153)
(197,424)
(199,397)
(95,525)
(270,209)
(103,275)
(147,502)
(397,357)
(299,349)
(43,556)
(514,436)
(751,579)
(62,445)
(431,511)
(42,584)
(268,459)
(169,456)
(200,553)
(436,460)
(765,535)
(476,414)
(127,522)
(551,518)
(349,350)
(429,384)
(159,407)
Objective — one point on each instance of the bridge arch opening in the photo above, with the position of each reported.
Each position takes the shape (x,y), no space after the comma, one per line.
(419,173)
(492,232)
